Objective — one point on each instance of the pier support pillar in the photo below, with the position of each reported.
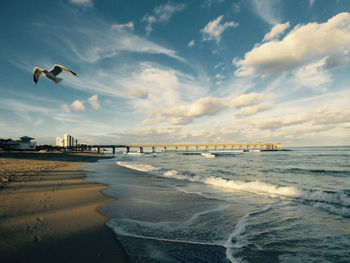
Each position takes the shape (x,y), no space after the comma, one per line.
(127,149)
(165,149)
(176,148)
(141,149)
(154,149)
(98,149)
(113,150)
(206,148)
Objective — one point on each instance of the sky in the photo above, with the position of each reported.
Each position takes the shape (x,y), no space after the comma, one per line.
(211,71)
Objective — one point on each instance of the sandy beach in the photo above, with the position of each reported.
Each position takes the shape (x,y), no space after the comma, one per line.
(49,213)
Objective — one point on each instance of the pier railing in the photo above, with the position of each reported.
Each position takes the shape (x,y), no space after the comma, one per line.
(191,147)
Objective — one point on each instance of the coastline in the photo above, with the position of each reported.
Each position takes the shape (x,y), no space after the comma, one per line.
(49,212)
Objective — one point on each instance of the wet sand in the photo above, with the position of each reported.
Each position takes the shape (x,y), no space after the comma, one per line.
(49,213)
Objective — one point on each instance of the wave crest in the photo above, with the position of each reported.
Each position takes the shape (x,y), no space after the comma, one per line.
(138,166)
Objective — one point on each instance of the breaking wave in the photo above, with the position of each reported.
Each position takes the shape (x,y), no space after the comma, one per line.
(334,202)
(138,166)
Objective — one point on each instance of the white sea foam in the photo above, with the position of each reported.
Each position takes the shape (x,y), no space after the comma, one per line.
(254,187)
(138,166)
(339,198)
(208,155)
(238,235)
(120,231)
(271,190)
(134,153)
(170,226)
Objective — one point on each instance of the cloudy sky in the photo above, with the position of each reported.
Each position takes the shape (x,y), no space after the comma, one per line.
(177,71)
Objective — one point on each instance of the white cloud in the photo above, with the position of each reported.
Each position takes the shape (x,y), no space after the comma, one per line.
(276,31)
(209,3)
(267,10)
(236,8)
(161,14)
(165,86)
(245,100)
(98,40)
(94,102)
(312,76)
(129,25)
(65,108)
(213,30)
(206,106)
(20,106)
(138,93)
(220,64)
(322,117)
(78,105)
(304,44)
(252,110)
(336,60)
(191,43)
(87,3)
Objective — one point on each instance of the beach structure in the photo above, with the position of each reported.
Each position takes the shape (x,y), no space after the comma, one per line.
(25,143)
(258,146)
(207,147)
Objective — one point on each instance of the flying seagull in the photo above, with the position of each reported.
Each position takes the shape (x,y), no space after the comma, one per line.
(57,69)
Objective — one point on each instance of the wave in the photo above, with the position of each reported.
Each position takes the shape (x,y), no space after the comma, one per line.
(317,171)
(161,230)
(138,166)
(332,200)
(339,210)
(237,238)
(120,231)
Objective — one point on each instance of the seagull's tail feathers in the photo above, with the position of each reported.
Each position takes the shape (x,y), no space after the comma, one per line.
(58,80)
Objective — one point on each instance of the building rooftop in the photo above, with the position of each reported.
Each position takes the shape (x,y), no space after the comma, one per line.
(26,138)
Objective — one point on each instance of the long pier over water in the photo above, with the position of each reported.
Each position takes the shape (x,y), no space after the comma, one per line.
(192,147)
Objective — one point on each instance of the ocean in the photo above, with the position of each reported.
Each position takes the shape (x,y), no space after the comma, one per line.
(279,206)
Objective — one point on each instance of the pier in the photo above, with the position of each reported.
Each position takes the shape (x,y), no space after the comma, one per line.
(190,147)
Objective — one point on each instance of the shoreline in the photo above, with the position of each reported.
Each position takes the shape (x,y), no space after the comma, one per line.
(49,212)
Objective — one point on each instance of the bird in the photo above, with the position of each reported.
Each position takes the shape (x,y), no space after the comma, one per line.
(51,74)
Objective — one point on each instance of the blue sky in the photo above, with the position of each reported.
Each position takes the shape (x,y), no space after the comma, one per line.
(215,71)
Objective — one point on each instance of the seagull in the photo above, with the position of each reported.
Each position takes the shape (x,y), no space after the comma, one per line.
(57,69)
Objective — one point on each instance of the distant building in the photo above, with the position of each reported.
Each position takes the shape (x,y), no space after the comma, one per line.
(25,143)
(59,141)
(67,141)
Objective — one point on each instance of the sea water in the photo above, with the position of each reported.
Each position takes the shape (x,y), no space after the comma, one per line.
(282,206)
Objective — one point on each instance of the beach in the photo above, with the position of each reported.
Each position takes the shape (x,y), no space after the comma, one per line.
(49,212)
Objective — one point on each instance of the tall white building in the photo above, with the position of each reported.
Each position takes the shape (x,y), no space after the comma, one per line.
(67,141)
(59,141)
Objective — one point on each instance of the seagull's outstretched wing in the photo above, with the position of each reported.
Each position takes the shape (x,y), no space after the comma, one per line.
(57,69)
(37,72)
